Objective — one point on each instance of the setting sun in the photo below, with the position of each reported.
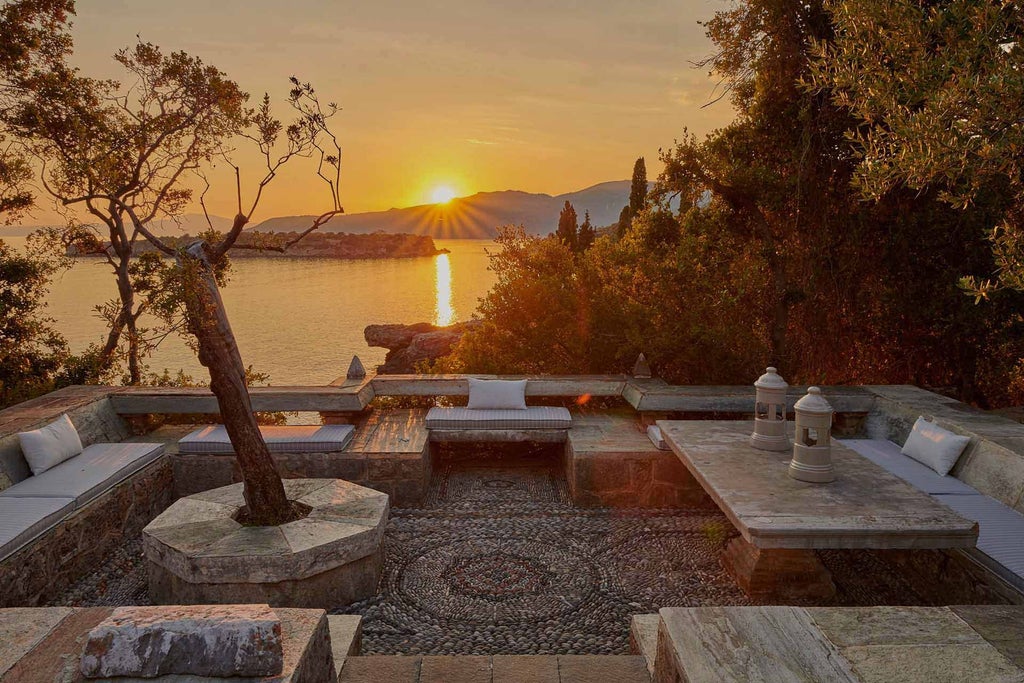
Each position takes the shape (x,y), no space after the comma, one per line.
(442,194)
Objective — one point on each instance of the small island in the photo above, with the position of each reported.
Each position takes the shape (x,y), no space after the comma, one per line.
(328,245)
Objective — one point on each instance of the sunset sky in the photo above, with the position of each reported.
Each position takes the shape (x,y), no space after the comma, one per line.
(471,94)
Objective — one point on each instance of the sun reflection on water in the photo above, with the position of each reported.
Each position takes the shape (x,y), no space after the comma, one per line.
(444,312)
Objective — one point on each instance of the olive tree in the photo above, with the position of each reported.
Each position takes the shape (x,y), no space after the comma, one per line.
(131,153)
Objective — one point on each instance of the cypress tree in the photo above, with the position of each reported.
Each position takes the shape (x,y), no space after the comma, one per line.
(568,227)
(638,190)
(587,234)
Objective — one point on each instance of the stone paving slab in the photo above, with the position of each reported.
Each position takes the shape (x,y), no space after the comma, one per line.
(22,628)
(524,669)
(497,669)
(854,645)
(57,657)
(451,669)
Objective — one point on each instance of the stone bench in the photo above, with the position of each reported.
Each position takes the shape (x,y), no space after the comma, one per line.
(1001,528)
(57,526)
(545,424)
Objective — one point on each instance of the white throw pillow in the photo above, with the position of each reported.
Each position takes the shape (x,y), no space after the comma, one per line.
(51,445)
(931,445)
(497,394)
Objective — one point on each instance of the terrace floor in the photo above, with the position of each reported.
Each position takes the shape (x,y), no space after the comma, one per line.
(497,561)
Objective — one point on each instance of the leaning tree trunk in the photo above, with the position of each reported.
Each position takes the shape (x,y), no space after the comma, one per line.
(208,321)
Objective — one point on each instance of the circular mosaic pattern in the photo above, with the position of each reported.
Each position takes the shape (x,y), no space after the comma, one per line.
(498,580)
(495,577)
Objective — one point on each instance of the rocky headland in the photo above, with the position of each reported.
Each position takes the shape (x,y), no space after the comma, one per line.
(409,345)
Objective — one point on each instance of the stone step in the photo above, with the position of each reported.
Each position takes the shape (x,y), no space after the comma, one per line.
(346,637)
(496,669)
(643,638)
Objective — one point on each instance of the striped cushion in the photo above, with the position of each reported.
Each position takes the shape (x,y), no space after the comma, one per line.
(279,439)
(887,455)
(1000,528)
(537,417)
(23,519)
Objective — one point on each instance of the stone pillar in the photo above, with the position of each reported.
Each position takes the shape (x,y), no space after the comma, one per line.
(781,574)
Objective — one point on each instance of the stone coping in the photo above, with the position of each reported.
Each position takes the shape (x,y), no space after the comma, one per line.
(50,648)
(843,644)
(198,540)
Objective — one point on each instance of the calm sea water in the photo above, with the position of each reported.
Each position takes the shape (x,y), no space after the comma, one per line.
(300,320)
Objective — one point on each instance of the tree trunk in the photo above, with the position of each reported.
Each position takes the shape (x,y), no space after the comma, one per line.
(218,352)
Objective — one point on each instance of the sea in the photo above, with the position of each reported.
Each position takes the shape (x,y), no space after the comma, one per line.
(299,320)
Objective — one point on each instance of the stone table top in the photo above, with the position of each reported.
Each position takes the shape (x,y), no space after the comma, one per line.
(865,507)
(979,643)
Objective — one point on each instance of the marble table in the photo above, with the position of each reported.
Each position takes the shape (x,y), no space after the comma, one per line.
(782,521)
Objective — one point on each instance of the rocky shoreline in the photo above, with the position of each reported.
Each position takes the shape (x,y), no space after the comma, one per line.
(409,345)
(330,245)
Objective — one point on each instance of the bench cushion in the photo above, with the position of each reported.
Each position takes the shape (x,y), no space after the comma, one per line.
(89,474)
(536,417)
(1000,528)
(280,439)
(23,519)
(887,455)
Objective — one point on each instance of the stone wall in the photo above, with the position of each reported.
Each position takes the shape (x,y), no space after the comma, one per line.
(652,479)
(402,476)
(80,543)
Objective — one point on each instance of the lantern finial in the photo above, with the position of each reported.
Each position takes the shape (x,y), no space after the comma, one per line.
(812,444)
(770,412)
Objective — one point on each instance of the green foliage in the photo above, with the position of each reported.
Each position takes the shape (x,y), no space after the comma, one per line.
(786,265)
(32,353)
(938,93)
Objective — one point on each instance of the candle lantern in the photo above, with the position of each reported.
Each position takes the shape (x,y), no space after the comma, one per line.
(770,412)
(812,442)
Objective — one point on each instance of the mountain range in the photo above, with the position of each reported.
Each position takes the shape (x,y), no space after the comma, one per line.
(477,216)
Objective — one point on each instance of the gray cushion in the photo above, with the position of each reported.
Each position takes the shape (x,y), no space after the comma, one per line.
(23,519)
(88,475)
(1000,528)
(537,417)
(886,454)
(280,439)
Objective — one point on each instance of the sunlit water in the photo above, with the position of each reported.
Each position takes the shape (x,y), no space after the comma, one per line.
(300,320)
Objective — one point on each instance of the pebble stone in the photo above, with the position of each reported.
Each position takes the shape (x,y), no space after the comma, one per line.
(497,561)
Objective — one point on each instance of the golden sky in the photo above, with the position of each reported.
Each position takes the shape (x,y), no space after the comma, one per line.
(536,95)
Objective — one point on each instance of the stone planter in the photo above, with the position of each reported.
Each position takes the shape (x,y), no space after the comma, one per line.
(196,553)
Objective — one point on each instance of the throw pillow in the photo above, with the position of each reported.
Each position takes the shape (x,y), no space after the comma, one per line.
(931,445)
(51,445)
(497,394)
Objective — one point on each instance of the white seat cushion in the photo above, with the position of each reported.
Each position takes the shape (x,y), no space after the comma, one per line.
(934,446)
(497,394)
(51,445)
(536,417)
(88,475)
(886,454)
(279,439)
(1000,528)
(23,519)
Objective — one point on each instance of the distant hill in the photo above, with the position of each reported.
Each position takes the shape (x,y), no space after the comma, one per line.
(476,216)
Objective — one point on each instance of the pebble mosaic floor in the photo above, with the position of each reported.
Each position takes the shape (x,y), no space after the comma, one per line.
(497,561)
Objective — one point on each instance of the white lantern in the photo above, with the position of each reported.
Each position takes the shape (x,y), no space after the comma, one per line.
(812,442)
(770,413)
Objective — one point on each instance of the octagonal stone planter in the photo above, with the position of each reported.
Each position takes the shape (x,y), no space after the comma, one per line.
(196,553)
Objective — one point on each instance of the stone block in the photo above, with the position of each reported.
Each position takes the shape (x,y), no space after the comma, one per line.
(465,669)
(230,640)
(524,669)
